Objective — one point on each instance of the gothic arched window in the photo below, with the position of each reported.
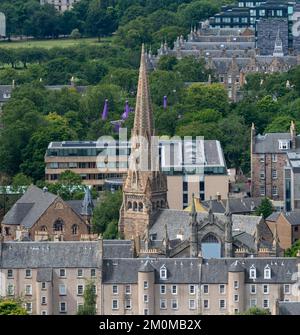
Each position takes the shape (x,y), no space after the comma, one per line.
(58,225)
(134,206)
(141,206)
(210,238)
(74,229)
(43,228)
(129,205)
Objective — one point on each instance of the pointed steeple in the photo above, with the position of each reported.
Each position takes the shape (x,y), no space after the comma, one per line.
(193,213)
(278,48)
(210,211)
(87,203)
(143,121)
(275,241)
(227,209)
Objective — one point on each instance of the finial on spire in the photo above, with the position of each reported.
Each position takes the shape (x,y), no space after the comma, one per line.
(227,210)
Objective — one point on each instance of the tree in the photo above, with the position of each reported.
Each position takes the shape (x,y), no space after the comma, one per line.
(256,311)
(106,214)
(89,296)
(21,179)
(75,34)
(11,307)
(265,208)
(69,178)
(293,250)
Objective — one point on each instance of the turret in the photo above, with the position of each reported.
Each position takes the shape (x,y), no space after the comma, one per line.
(228,231)
(194,230)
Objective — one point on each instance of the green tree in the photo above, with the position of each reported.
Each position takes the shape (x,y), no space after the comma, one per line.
(265,208)
(256,311)
(21,179)
(89,296)
(293,251)
(11,307)
(106,214)
(75,34)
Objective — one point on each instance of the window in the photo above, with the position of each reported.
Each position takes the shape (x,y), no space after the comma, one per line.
(262,190)
(253,288)
(192,304)
(146,285)
(262,175)
(174,289)
(252,272)
(44,313)
(236,284)
(58,226)
(236,298)
(145,299)
(10,273)
(253,302)
(274,190)
(274,158)
(128,289)
(94,289)
(274,174)
(128,304)
(80,289)
(162,289)
(28,307)
(115,304)
(62,273)
(266,289)
(115,289)
(93,273)
(279,12)
(28,273)
(74,229)
(43,286)
(222,289)
(267,272)
(174,304)
(10,289)
(63,307)
(28,289)
(287,289)
(79,273)
(206,304)
(284,144)
(62,289)
(262,12)
(205,289)
(146,311)
(262,158)
(163,272)
(266,303)
(44,301)
(222,304)
(192,289)
(296,228)
(163,304)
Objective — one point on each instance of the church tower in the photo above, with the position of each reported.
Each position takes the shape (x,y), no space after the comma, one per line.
(145,188)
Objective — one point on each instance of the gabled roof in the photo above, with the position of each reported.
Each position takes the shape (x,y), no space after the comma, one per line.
(289,308)
(293,218)
(29,208)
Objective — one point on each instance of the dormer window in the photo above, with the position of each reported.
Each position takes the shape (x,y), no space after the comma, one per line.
(163,272)
(252,274)
(267,272)
(284,144)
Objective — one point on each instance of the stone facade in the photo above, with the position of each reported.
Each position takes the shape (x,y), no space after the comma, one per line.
(60,5)
(268,161)
(51,278)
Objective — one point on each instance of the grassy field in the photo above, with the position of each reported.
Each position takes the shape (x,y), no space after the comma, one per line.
(48,44)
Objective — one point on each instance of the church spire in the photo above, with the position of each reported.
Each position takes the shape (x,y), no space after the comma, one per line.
(143,120)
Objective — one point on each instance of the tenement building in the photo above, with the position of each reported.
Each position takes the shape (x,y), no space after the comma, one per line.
(270,175)
(51,278)
(41,215)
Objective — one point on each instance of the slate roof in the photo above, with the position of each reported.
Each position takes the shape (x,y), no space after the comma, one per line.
(289,308)
(29,208)
(268,143)
(239,205)
(76,205)
(192,271)
(179,221)
(61,254)
(292,217)
(20,255)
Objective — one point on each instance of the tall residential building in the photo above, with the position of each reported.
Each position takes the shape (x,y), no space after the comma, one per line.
(60,5)
(145,187)
(51,277)
(269,156)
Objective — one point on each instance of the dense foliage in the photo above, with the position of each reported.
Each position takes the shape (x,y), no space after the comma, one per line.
(294,250)
(256,311)
(11,307)
(265,208)
(89,296)
(135,20)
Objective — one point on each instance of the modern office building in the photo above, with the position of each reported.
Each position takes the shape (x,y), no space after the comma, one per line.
(105,164)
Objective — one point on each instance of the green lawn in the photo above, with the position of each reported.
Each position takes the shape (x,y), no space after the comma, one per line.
(48,44)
